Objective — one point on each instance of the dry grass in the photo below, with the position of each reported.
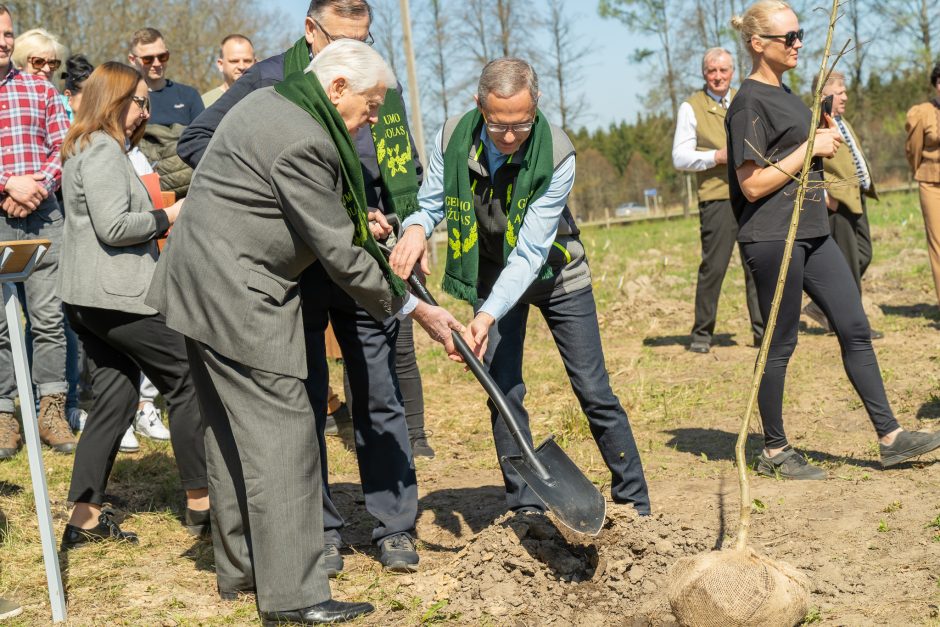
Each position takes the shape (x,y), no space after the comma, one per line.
(682,406)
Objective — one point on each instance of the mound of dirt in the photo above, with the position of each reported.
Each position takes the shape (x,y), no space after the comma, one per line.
(523,569)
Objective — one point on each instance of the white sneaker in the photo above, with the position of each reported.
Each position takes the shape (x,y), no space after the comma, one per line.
(77,418)
(148,423)
(129,443)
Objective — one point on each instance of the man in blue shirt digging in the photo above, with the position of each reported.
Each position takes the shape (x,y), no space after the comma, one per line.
(500,175)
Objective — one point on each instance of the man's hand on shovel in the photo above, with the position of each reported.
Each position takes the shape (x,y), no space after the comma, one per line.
(440,325)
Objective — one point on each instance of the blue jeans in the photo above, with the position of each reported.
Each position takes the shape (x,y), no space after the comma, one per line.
(572,320)
(46,317)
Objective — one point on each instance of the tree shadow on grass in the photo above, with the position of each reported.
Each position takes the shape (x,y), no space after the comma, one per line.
(719,339)
(929,410)
(919,310)
(719,445)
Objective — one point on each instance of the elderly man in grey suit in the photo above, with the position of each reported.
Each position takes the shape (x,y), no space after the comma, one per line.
(279,190)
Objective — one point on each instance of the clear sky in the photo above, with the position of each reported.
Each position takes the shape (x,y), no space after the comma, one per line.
(612,83)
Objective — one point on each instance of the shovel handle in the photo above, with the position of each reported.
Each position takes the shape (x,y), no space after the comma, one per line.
(495,394)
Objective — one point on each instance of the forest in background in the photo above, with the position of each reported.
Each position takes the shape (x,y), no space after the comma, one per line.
(888,72)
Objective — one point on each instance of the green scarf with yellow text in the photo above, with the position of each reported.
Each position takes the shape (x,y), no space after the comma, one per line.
(304,90)
(537,167)
(390,136)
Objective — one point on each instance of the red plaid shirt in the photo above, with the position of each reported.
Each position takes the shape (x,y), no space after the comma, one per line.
(33,124)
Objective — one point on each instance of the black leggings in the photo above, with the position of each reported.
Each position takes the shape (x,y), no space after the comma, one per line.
(819,268)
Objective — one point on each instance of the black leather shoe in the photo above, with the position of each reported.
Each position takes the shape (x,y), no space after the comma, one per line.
(106,529)
(197,522)
(325,613)
(399,554)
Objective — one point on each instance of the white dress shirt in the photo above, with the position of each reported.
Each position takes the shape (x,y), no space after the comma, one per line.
(685,154)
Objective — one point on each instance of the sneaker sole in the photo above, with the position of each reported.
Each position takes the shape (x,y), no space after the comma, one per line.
(764,472)
(401,568)
(894,460)
(11,613)
(152,437)
(128,450)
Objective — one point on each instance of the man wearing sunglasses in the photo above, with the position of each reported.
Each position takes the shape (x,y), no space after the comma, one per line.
(173,107)
(35,124)
(382,370)
(500,175)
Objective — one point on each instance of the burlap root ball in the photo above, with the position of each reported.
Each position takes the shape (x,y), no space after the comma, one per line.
(734,588)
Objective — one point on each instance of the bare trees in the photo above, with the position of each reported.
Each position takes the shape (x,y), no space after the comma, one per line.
(101,29)
(565,60)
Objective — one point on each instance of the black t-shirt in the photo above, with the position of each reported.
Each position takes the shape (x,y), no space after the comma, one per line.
(775,122)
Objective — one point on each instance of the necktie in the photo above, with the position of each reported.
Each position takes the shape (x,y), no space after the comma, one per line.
(861,170)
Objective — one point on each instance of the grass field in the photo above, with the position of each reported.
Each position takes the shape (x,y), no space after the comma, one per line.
(868,538)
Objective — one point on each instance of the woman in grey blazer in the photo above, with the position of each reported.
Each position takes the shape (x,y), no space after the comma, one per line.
(108,255)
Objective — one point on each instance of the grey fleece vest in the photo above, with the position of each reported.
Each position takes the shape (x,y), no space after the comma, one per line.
(491,201)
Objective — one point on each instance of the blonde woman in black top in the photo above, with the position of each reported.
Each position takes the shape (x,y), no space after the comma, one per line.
(768,127)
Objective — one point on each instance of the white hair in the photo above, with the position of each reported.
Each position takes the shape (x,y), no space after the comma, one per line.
(357,62)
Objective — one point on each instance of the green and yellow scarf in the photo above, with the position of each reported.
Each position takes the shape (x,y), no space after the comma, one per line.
(535,175)
(390,135)
(305,91)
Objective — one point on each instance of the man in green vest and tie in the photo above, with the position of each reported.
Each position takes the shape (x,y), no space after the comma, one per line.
(700,146)
(849,182)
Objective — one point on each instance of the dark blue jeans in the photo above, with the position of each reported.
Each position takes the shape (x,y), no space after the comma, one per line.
(383,450)
(572,320)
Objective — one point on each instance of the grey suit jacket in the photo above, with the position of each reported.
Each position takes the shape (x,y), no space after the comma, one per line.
(265,203)
(108,251)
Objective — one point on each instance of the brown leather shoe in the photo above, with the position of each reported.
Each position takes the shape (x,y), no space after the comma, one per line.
(54,429)
(10,440)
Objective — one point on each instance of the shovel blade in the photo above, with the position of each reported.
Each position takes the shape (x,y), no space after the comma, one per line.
(570,495)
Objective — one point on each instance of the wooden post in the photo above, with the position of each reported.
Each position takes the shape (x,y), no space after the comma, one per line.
(417,127)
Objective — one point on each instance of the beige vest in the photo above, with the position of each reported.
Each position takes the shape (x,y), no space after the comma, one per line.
(710,135)
(841,176)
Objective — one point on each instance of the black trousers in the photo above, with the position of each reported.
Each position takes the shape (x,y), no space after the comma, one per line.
(719,231)
(119,346)
(572,320)
(819,268)
(409,377)
(383,450)
(852,234)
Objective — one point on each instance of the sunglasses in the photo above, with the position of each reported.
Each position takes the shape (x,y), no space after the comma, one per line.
(38,63)
(143,103)
(148,59)
(789,38)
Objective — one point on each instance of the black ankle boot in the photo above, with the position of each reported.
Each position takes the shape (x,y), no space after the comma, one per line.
(198,522)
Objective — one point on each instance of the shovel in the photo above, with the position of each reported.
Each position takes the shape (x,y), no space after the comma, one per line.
(551,474)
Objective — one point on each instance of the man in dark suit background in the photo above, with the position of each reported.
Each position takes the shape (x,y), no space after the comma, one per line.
(267,205)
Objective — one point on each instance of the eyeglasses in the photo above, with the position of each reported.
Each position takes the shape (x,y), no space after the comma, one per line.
(39,62)
(143,103)
(147,59)
(499,129)
(789,38)
(330,38)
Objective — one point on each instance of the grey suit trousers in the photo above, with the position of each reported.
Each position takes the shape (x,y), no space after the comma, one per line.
(264,478)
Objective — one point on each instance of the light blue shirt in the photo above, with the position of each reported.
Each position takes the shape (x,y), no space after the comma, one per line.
(535,237)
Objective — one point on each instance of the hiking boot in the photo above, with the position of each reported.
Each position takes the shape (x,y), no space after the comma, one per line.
(54,430)
(10,440)
(907,445)
(419,444)
(788,464)
(817,315)
(332,560)
(129,443)
(399,554)
(149,424)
